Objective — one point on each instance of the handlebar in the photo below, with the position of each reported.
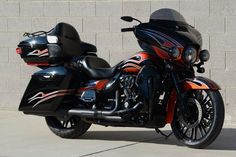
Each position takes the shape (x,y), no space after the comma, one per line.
(127,29)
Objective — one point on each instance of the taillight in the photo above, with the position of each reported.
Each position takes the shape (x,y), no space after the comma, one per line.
(38,64)
(18,50)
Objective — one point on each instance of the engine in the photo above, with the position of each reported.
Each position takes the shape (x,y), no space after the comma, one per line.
(124,96)
(127,97)
(130,93)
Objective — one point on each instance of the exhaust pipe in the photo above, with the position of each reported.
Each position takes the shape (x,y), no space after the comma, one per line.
(94,115)
(112,115)
(107,115)
(100,114)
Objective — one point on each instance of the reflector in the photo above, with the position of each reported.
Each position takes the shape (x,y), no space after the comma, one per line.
(18,50)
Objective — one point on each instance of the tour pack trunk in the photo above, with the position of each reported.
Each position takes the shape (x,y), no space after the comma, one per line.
(49,89)
(53,47)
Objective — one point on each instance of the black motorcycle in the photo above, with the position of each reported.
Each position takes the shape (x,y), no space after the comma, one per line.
(152,88)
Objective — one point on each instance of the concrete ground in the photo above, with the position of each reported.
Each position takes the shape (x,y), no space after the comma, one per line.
(28,136)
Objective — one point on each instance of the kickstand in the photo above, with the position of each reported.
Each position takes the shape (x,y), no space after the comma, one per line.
(163,134)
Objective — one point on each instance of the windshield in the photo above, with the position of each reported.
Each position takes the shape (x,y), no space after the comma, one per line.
(167,15)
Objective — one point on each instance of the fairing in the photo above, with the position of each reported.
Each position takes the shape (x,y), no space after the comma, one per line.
(168,29)
(173,22)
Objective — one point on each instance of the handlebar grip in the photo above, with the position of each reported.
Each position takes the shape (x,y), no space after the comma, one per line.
(127,29)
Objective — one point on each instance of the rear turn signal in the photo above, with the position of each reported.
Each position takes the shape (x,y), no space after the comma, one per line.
(18,50)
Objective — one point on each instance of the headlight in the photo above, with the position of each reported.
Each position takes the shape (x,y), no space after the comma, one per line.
(190,55)
(174,52)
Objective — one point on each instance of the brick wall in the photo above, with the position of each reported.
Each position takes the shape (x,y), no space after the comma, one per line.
(98,22)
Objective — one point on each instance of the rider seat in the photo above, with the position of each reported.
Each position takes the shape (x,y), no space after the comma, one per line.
(97,68)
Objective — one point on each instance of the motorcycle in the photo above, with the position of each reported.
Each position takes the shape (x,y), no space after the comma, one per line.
(154,87)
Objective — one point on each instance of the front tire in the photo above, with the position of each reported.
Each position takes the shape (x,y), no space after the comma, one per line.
(71,128)
(202,123)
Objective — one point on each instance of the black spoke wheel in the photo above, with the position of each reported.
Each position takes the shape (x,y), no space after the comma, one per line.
(72,127)
(199,119)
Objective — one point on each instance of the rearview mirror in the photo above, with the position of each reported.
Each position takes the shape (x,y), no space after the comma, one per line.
(127,18)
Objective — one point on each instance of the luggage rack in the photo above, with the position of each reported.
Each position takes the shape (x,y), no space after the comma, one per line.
(36,34)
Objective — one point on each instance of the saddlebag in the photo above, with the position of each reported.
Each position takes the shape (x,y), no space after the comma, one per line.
(50,89)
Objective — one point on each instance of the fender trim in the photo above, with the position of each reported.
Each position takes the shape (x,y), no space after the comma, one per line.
(200,83)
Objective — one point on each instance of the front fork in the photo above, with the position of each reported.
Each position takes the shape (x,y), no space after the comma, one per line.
(176,82)
(175,95)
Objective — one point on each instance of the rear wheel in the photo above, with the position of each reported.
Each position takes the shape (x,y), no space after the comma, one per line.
(200,121)
(72,127)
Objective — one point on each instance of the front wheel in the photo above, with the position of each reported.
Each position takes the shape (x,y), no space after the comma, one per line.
(199,120)
(72,127)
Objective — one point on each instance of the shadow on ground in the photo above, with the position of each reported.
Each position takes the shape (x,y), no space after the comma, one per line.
(225,141)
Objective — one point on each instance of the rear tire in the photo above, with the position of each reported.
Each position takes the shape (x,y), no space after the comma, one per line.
(74,127)
(208,125)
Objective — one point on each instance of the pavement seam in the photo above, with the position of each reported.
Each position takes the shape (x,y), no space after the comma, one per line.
(123,146)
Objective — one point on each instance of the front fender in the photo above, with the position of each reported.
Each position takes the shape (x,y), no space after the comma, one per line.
(200,83)
(197,83)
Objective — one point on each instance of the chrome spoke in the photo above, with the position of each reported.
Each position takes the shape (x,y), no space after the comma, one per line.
(71,123)
(203,128)
(185,131)
(66,124)
(201,131)
(63,123)
(192,133)
(195,136)
(204,100)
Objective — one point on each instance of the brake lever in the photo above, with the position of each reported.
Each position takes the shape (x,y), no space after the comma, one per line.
(127,29)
